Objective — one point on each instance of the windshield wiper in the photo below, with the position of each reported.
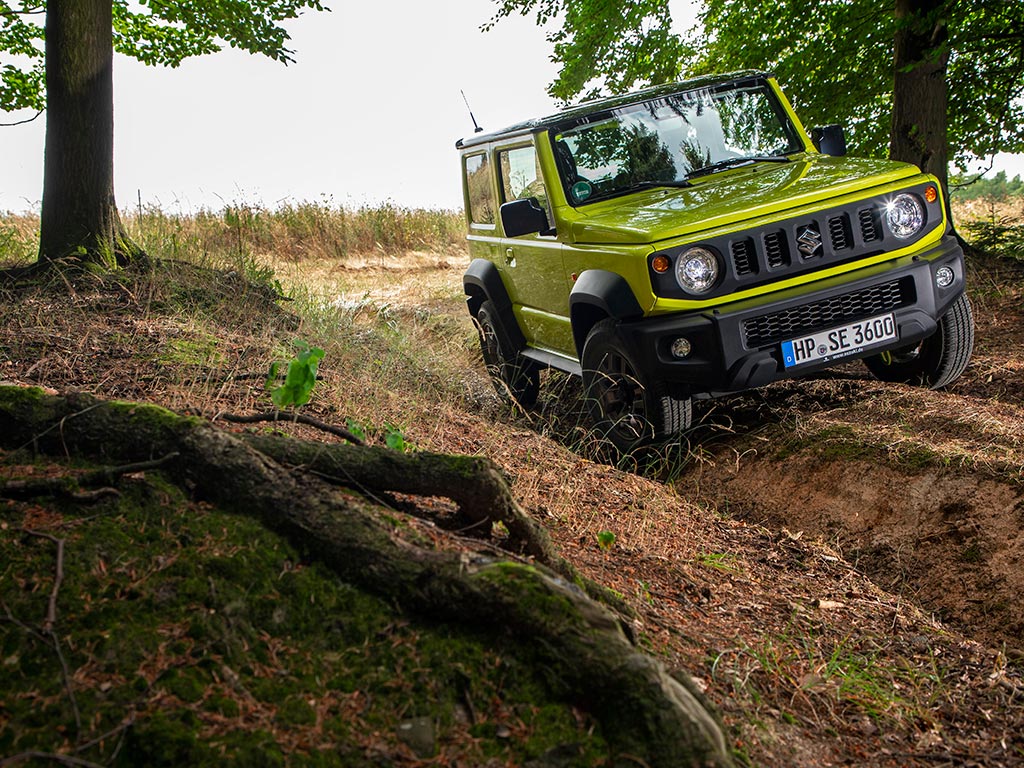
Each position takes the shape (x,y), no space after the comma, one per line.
(733,162)
(655,184)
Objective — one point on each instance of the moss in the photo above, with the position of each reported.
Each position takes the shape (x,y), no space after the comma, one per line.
(295,710)
(191,617)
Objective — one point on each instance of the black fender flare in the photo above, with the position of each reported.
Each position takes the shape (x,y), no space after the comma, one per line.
(482,282)
(596,295)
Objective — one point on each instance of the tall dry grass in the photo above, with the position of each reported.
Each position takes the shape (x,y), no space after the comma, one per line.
(292,231)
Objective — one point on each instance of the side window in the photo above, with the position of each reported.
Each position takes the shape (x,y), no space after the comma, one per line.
(481,194)
(521,177)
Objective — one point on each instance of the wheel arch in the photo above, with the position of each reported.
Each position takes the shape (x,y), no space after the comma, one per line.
(597,295)
(482,282)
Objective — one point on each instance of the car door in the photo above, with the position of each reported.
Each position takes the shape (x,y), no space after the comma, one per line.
(531,264)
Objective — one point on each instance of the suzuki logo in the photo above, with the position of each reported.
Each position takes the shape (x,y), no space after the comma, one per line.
(808,241)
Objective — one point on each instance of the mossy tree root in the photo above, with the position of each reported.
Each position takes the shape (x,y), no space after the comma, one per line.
(646,713)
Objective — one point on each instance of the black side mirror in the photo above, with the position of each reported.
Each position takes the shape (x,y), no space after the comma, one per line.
(830,140)
(523,217)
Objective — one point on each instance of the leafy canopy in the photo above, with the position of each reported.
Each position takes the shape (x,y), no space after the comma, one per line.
(608,47)
(835,58)
(164,32)
(837,64)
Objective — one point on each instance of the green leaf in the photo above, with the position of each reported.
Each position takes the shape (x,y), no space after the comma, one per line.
(605,540)
(394,439)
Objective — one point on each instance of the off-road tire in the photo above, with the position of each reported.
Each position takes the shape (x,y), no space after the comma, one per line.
(514,377)
(936,361)
(629,408)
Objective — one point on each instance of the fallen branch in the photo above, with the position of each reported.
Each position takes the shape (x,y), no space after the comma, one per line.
(299,418)
(644,710)
(68,485)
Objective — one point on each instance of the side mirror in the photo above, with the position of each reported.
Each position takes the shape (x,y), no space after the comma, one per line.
(830,140)
(523,217)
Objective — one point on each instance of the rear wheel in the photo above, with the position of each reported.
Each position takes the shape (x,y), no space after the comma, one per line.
(628,408)
(513,376)
(936,361)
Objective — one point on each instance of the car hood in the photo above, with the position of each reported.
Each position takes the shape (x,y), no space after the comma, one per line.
(726,198)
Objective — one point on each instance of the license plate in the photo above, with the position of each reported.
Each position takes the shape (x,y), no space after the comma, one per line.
(837,343)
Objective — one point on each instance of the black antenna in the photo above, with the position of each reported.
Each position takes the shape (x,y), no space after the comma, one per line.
(476,128)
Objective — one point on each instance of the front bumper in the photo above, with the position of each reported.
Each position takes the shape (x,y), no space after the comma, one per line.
(737,346)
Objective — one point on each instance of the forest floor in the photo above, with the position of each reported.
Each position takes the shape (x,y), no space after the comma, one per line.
(836,561)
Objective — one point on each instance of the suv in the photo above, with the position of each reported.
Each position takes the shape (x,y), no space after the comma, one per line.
(690,240)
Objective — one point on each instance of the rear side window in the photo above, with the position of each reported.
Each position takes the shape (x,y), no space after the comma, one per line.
(479,189)
(521,176)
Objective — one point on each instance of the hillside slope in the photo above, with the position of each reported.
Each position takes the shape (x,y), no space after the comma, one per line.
(756,556)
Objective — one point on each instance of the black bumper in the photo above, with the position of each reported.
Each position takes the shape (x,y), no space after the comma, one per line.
(738,346)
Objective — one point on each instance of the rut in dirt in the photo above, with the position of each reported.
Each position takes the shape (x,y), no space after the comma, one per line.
(868,469)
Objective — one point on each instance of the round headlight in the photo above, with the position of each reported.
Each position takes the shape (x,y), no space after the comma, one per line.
(905,216)
(697,270)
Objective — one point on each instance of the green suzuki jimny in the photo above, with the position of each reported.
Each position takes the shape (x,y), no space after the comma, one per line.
(691,240)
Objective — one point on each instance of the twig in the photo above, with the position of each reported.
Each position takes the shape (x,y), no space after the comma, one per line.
(300,418)
(51,606)
(51,620)
(118,731)
(65,485)
(21,122)
(63,759)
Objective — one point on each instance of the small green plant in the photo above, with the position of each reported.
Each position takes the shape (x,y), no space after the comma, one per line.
(394,439)
(300,379)
(722,561)
(357,428)
(605,540)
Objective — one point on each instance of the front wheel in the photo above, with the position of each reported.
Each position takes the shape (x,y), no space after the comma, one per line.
(629,409)
(514,377)
(935,361)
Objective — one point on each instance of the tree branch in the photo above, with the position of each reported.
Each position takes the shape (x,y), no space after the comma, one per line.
(300,418)
(22,122)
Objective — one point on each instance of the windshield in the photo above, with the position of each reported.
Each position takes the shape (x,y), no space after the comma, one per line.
(664,141)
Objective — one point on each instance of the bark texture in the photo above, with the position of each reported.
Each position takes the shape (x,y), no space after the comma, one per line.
(649,716)
(79,217)
(920,89)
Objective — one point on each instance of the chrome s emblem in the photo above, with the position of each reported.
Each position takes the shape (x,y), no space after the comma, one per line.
(808,241)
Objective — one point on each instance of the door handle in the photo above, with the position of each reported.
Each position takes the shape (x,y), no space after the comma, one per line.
(510,257)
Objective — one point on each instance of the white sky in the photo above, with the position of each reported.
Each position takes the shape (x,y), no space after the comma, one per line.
(369,112)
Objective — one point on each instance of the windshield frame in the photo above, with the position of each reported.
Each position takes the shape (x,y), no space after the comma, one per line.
(566,169)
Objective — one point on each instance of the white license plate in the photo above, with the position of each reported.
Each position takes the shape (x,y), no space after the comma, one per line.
(837,343)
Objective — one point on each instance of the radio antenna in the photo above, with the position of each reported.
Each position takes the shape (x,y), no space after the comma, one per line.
(476,128)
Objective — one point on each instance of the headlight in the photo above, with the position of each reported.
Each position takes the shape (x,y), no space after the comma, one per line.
(905,216)
(697,270)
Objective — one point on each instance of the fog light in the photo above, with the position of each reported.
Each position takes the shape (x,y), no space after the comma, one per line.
(680,348)
(944,277)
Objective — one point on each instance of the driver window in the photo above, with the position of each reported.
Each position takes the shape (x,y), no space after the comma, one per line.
(521,177)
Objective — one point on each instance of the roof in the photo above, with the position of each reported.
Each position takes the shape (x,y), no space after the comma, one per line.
(610,102)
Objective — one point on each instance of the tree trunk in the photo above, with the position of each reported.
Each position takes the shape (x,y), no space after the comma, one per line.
(920,89)
(79,218)
(649,716)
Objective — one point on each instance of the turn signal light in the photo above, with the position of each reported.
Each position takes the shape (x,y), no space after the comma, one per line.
(931,194)
(661,264)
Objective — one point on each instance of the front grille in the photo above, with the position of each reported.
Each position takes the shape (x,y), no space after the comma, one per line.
(828,313)
(776,252)
(744,260)
(870,225)
(839,233)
